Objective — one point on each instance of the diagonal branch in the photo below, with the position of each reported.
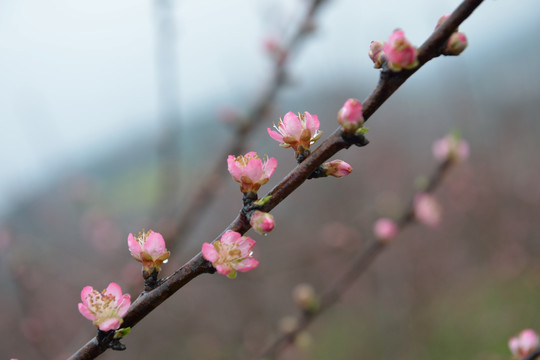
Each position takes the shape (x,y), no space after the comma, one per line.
(388,84)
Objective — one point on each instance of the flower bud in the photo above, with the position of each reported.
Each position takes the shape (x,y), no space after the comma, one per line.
(450,147)
(524,344)
(376,53)
(262,222)
(399,52)
(149,249)
(304,296)
(427,210)
(350,115)
(456,44)
(336,168)
(385,230)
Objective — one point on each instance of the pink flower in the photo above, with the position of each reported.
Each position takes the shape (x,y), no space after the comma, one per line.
(376,53)
(250,171)
(149,249)
(232,253)
(399,52)
(450,147)
(385,229)
(350,115)
(297,131)
(262,222)
(337,168)
(427,210)
(107,308)
(524,344)
(456,44)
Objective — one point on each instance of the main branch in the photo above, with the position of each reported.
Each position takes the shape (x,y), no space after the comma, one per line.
(388,84)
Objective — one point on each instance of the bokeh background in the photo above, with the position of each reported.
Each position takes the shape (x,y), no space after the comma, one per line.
(111,114)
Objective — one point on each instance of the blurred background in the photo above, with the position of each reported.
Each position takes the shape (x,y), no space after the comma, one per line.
(113,113)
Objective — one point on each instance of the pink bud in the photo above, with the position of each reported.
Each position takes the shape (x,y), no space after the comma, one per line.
(524,344)
(350,115)
(450,147)
(427,210)
(441,20)
(250,171)
(232,253)
(456,44)
(385,230)
(399,52)
(337,168)
(149,249)
(106,309)
(262,222)
(297,131)
(376,53)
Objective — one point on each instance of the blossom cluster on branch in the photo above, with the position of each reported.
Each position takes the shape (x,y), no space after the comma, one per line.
(232,251)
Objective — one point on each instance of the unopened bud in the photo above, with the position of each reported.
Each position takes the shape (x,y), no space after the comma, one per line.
(427,210)
(376,53)
(337,168)
(456,44)
(262,222)
(399,52)
(385,230)
(304,296)
(350,115)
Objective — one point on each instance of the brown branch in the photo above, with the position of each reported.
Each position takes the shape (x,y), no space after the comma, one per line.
(388,83)
(357,267)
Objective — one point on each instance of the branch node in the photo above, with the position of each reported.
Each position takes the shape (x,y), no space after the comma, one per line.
(354,139)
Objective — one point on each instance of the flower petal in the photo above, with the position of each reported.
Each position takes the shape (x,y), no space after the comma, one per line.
(114,290)
(83,309)
(209,252)
(110,324)
(247,265)
(275,135)
(292,125)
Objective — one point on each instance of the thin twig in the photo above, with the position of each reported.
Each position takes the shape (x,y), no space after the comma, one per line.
(357,267)
(208,188)
(388,84)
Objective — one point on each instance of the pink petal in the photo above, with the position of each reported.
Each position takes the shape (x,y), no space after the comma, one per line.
(209,252)
(223,269)
(155,245)
(275,135)
(234,169)
(269,167)
(85,292)
(514,345)
(134,247)
(292,125)
(254,169)
(247,264)
(230,237)
(312,123)
(83,309)
(110,324)
(114,290)
(123,307)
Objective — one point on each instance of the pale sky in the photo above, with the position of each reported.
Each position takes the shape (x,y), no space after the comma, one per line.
(78,78)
